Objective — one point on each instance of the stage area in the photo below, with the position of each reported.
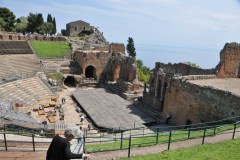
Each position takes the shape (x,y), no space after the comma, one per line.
(109,110)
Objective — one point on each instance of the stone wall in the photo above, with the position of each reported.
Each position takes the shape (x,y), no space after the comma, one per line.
(229,65)
(117,48)
(15,37)
(111,65)
(182,69)
(121,68)
(189,102)
(96,59)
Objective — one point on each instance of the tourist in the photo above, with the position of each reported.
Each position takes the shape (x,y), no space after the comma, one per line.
(59,148)
(63,100)
(82,117)
(80,134)
(89,126)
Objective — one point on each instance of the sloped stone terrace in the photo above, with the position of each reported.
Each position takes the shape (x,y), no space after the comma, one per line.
(15,47)
(17,66)
(25,91)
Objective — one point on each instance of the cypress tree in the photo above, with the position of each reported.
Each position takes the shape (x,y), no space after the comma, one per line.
(131,48)
(49,18)
(54,26)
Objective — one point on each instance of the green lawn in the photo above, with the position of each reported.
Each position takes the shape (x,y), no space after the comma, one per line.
(220,151)
(46,49)
(151,139)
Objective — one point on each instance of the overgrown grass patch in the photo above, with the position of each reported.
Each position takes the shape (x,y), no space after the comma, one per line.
(219,151)
(57,76)
(45,49)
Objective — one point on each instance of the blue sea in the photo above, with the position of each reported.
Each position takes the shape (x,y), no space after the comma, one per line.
(206,58)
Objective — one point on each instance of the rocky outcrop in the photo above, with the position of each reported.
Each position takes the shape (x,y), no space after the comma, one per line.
(93,41)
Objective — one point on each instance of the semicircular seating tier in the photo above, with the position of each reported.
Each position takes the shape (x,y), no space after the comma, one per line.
(25,92)
(17,61)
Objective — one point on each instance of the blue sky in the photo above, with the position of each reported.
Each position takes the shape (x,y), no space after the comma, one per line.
(163,30)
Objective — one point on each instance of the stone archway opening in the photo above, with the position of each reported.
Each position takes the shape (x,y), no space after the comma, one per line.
(70,81)
(90,72)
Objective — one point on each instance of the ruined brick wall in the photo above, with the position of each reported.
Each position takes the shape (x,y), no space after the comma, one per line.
(97,59)
(15,37)
(122,68)
(229,65)
(117,48)
(182,69)
(187,101)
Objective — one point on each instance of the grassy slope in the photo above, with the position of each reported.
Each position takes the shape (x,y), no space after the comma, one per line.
(220,151)
(148,140)
(46,49)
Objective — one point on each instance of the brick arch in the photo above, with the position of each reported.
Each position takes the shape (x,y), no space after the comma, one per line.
(90,71)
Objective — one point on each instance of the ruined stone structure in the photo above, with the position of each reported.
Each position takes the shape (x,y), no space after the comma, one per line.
(193,95)
(229,65)
(108,65)
(74,28)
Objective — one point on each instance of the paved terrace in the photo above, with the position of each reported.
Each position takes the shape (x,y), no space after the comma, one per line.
(226,84)
(109,110)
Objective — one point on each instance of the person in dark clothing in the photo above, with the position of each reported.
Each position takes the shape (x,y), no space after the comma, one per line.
(59,148)
(63,100)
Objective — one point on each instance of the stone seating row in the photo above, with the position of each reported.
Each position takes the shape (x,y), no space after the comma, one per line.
(25,91)
(14,44)
(15,47)
(18,65)
(19,119)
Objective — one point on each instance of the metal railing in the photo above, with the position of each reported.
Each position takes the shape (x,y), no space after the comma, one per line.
(129,139)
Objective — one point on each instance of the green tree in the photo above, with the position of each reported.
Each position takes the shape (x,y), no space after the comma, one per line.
(49,18)
(131,48)
(192,64)
(139,63)
(9,19)
(143,71)
(34,22)
(2,23)
(21,25)
(54,31)
(46,28)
